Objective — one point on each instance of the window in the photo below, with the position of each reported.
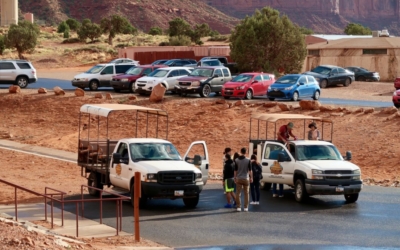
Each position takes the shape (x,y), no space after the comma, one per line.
(24,65)
(183,72)
(146,71)
(374,51)
(258,78)
(123,150)
(310,79)
(174,73)
(226,72)
(272,151)
(313,52)
(303,79)
(218,72)
(266,77)
(334,71)
(341,71)
(6,66)
(108,70)
(122,68)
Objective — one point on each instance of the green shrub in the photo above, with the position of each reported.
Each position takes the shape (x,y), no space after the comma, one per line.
(154,31)
(180,41)
(2,45)
(218,38)
(62,27)
(72,40)
(163,44)
(66,33)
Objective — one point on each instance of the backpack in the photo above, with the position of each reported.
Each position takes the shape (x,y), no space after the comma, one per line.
(257,171)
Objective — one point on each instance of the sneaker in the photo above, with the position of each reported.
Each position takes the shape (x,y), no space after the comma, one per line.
(274,195)
(281,196)
(234,203)
(224,192)
(228,206)
(246,209)
(257,203)
(252,203)
(239,209)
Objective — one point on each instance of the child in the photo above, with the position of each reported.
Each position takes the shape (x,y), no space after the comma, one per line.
(228,181)
(255,185)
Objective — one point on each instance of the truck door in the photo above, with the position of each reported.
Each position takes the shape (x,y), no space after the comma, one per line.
(120,172)
(218,81)
(274,171)
(199,148)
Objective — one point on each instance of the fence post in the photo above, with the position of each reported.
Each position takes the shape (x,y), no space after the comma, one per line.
(136,194)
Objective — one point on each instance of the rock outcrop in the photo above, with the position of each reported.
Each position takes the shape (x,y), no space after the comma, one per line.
(157,94)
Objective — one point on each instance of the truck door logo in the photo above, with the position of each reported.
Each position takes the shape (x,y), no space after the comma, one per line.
(276,168)
(118,169)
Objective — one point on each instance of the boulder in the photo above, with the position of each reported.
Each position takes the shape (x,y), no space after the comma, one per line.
(79,92)
(58,91)
(389,111)
(98,96)
(220,101)
(14,89)
(284,107)
(42,91)
(132,97)
(360,110)
(270,104)
(109,96)
(325,108)
(157,94)
(239,103)
(309,105)
(369,111)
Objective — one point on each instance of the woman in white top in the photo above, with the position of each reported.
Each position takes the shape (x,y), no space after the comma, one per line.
(313,133)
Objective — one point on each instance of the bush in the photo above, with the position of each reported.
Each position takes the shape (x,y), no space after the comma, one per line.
(66,33)
(218,38)
(62,27)
(180,41)
(73,24)
(155,31)
(164,44)
(2,45)
(72,40)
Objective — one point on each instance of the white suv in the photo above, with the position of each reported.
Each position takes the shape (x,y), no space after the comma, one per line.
(19,72)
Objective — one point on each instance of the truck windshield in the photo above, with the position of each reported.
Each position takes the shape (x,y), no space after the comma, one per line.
(202,72)
(154,152)
(96,69)
(134,71)
(318,152)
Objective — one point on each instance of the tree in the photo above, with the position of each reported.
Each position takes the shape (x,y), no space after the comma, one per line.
(89,30)
(357,29)
(179,27)
(2,45)
(199,31)
(114,25)
(73,24)
(306,31)
(154,31)
(62,27)
(268,42)
(22,36)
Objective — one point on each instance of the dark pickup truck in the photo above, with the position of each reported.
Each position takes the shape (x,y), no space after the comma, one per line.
(231,66)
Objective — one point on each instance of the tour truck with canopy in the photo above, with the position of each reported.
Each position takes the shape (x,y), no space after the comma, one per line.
(312,167)
(138,143)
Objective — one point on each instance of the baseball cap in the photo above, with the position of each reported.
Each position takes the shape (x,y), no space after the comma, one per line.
(290,125)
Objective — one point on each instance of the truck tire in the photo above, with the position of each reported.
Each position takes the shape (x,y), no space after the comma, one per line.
(132,87)
(351,198)
(300,192)
(267,186)
(205,90)
(142,200)
(94,181)
(191,202)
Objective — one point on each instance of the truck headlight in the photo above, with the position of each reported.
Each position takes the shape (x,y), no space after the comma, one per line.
(240,87)
(124,80)
(196,83)
(199,176)
(151,178)
(316,174)
(289,88)
(358,175)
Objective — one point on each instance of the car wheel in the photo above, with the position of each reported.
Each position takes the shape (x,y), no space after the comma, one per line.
(249,94)
(271,99)
(295,96)
(93,85)
(22,82)
(347,82)
(205,90)
(316,95)
(300,193)
(361,79)
(323,84)
(132,87)
(142,199)
(191,202)
(227,97)
(351,198)
(94,181)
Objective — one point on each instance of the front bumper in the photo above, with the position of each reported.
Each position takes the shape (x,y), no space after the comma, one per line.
(143,89)
(80,84)
(187,90)
(120,85)
(396,99)
(323,187)
(234,92)
(156,190)
(374,78)
(279,94)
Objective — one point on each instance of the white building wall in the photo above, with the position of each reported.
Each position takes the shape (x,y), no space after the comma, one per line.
(9,12)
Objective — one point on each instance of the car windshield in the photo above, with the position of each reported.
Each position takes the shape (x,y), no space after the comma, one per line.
(169,62)
(154,152)
(202,72)
(242,78)
(318,152)
(96,69)
(159,62)
(158,73)
(321,70)
(134,71)
(289,79)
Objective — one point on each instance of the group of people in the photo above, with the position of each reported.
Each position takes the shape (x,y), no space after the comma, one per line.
(241,173)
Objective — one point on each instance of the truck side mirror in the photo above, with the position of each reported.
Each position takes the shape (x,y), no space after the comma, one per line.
(116,158)
(215,76)
(348,155)
(197,160)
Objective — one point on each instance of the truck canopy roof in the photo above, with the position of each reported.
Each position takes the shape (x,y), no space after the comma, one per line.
(276,117)
(106,109)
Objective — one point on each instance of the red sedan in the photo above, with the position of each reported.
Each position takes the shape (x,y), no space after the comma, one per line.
(247,85)
(397,83)
(396,98)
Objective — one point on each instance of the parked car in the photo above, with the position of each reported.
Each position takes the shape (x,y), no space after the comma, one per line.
(230,65)
(204,63)
(363,75)
(247,85)
(166,76)
(99,75)
(396,98)
(328,75)
(18,72)
(294,87)
(127,81)
(204,81)
(158,62)
(397,83)
(125,61)
(179,62)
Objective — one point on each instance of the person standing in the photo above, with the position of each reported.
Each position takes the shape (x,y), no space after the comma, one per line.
(226,151)
(284,133)
(274,191)
(313,133)
(255,185)
(228,181)
(243,178)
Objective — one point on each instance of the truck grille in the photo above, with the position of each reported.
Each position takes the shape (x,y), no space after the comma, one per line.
(176,177)
(185,83)
(337,174)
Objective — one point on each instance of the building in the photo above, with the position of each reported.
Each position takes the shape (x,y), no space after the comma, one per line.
(380,54)
(312,39)
(9,12)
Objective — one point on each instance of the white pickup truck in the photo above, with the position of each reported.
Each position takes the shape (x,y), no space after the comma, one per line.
(312,167)
(164,173)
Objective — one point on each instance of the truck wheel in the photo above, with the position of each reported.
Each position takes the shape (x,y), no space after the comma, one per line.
(22,82)
(94,181)
(132,87)
(300,191)
(142,200)
(249,94)
(191,202)
(351,198)
(93,85)
(205,91)
(267,186)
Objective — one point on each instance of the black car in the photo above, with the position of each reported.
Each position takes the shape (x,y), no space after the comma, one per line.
(179,62)
(364,75)
(329,75)
(159,62)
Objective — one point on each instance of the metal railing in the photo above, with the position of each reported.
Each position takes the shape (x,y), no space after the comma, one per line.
(49,196)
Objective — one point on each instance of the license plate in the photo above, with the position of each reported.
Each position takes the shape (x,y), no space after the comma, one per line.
(339,189)
(178,192)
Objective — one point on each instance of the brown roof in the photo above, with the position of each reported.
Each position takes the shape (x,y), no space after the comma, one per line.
(277,117)
(359,43)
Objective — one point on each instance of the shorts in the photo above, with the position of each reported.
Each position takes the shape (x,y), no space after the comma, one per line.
(229,185)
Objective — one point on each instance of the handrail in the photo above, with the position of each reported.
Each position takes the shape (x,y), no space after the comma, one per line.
(49,196)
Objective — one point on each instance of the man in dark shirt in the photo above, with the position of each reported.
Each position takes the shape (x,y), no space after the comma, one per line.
(243,178)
